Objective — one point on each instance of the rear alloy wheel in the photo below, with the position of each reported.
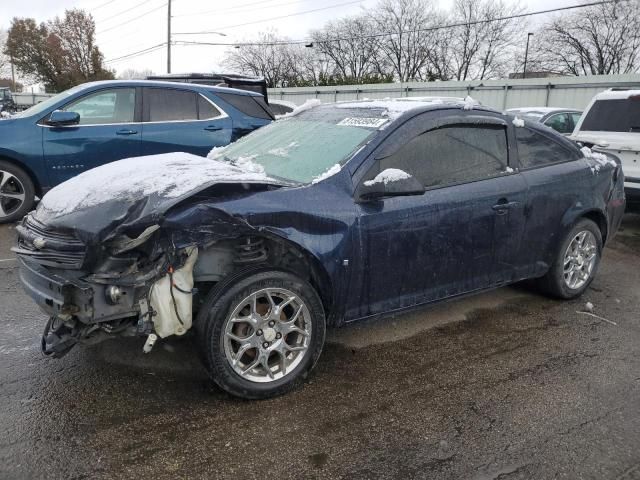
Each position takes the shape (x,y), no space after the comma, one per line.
(580,259)
(576,261)
(16,193)
(264,332)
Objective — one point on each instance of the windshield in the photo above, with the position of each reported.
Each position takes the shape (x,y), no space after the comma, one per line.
(48,103)
(304,147)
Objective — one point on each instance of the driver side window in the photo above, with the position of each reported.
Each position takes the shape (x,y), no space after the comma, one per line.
(452,155)
(105,107)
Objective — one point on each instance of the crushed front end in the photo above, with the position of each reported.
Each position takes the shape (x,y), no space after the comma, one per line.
(127,286)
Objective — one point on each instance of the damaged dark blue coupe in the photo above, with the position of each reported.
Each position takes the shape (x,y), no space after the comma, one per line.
(334,214)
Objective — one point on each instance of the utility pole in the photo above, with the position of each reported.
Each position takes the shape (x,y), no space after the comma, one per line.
(13,76)
(526,54)
(168,36)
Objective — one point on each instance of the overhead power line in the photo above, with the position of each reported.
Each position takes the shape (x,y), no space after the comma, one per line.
(240,8)
(132,19)
(386,34)
(138,53)
(299,42)
(103,4)
(123,11)
(274,18)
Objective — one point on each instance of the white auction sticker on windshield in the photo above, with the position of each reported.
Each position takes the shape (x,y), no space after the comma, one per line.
(363,122)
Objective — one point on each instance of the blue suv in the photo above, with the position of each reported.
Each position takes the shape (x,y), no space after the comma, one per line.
(100,122)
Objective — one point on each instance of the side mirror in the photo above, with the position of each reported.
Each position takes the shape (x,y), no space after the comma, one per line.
(59,118)
(391,182)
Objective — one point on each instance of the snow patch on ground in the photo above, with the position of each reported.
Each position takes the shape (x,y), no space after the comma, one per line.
(170,175)
(509,170)
(308,105)
(283,151)
(329,173)
(387,176)
(518,122)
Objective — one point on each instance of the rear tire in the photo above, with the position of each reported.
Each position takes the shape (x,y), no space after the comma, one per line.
(17,192)
(261,333)
(576,262)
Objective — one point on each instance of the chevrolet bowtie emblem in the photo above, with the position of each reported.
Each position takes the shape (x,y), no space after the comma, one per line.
(39,243)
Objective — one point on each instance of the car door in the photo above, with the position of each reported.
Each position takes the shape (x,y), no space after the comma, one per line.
(108,131)
(560,122)
(557,179)
(461,235)
(178,120)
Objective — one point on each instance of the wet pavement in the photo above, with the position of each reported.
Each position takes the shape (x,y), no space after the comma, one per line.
(504,385)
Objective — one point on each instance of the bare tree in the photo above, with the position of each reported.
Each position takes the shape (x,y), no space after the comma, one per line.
(266,57)
(480,47)
(349,44)
(405,39)
(597,40)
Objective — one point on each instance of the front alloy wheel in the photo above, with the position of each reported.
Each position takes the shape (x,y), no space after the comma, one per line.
(261,332)
(267,334)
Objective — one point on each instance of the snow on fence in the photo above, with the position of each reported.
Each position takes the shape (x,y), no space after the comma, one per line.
(569,92)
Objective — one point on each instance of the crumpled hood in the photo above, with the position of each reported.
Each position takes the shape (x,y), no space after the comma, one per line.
(135,190)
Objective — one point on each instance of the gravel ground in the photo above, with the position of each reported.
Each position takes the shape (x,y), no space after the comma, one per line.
(504,385)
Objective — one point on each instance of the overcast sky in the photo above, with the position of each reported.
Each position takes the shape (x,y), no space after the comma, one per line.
(122,26)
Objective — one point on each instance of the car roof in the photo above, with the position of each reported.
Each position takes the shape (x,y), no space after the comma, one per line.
(395,107)
(617,94)
(159,83)
(542,110)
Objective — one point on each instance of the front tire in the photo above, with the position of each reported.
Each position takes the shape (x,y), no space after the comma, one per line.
(576,262)
(261,333)
(17,193)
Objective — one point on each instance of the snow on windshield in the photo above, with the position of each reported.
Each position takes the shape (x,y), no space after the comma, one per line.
(302,148)
(329,173)
(169,175)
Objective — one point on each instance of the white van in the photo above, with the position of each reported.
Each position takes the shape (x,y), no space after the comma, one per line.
(611,123)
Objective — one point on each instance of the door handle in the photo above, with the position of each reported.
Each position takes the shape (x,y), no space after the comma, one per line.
(503,206)
(212,128)
(124,131)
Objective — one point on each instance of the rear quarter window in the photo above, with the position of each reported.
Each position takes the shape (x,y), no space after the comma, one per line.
(249,105)
(617,115)
(538,150)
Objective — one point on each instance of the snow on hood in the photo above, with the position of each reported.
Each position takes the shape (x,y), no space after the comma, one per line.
(169,175)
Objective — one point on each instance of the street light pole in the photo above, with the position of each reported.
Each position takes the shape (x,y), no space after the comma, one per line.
(526,54)
(168,36)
